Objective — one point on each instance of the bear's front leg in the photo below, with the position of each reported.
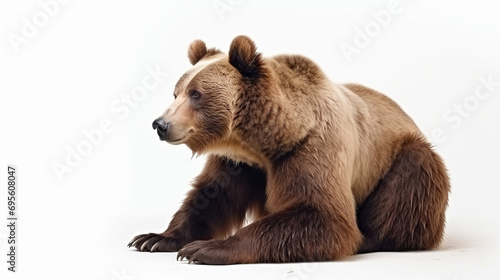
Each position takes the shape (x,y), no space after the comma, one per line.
(312,215)
(299,234)
(216,206)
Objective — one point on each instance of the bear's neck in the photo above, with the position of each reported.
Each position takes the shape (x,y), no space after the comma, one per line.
(237,151)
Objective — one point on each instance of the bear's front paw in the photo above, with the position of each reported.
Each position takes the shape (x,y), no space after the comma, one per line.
(153,242)
(212,251)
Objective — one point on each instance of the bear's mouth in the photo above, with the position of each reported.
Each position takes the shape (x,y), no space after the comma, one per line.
(179,140)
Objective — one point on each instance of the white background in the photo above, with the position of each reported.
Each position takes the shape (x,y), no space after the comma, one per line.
(71,73)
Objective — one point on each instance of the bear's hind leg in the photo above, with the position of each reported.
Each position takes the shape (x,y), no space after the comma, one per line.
(406,210)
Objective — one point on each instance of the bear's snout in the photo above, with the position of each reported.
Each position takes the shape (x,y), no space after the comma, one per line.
(161,127)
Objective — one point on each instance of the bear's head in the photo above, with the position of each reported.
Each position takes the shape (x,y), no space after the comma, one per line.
(228,104)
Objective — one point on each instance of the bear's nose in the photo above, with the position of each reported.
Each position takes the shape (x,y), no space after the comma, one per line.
(161,127)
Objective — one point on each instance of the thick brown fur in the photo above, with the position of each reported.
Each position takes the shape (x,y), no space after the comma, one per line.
(324,170)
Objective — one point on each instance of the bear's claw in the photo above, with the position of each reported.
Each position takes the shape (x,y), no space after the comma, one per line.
(153,242)
(205,252)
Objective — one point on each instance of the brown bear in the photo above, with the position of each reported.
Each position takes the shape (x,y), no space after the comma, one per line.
(324,170)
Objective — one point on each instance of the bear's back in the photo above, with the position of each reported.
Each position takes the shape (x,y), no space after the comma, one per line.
(383,110)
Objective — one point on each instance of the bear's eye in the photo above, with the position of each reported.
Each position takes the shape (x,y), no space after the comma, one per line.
(194,94)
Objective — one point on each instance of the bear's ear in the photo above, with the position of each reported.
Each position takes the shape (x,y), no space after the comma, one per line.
(243,56)
(197,50)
